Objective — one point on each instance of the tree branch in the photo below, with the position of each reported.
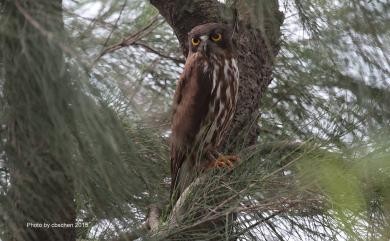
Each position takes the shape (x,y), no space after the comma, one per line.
(131,39)
(150,225)
(115,24)
(157,52)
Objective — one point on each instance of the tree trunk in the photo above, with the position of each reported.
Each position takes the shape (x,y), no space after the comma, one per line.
(256,39)
(38,151)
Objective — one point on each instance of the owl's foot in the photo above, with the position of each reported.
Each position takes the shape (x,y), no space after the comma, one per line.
(224,162)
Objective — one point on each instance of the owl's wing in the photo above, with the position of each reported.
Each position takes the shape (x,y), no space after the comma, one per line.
(178,94)
(177,156)
(190,108)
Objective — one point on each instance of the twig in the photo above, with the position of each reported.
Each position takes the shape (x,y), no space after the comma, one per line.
(265,219)
(150,225)
(177,210)
(115,24)
(98,21)
(163,55)
(131,39)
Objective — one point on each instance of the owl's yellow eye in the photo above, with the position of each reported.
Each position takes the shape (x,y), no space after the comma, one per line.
(216,37)
(195,41)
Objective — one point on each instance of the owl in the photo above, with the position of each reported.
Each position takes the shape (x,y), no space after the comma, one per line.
(204,104)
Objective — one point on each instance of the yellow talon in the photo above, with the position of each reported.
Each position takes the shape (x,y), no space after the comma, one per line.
(224,162)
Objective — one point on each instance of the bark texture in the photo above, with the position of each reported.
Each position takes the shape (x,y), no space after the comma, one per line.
(36,88)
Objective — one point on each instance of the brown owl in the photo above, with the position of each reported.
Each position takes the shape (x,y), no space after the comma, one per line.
(204,104)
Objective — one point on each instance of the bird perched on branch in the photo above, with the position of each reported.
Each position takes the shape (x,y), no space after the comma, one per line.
(204,105)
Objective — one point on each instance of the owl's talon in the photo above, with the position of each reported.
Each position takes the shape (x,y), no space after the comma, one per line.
(224,162)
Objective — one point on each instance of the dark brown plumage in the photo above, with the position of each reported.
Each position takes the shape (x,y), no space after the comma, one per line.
(204,103)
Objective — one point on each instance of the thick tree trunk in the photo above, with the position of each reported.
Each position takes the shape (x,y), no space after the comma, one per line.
(41,192)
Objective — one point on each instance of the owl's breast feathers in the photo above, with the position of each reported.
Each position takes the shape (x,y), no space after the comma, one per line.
(204,105)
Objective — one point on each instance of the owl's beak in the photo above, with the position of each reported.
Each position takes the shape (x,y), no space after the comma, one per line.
(205,48)
(204,45)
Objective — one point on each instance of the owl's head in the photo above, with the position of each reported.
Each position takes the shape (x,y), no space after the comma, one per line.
(210,38)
